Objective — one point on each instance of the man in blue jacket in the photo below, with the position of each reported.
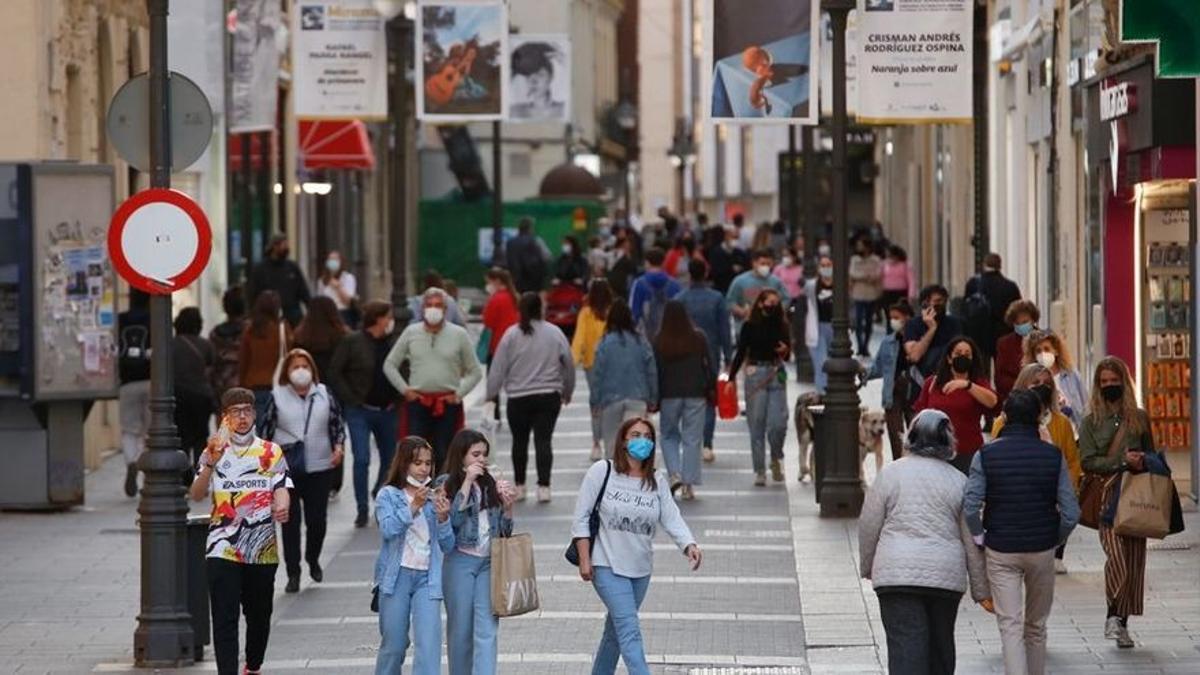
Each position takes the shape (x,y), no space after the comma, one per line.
(706,308)
(650,294)
(1023,489)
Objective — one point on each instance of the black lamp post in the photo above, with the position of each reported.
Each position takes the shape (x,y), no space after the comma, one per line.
(683,154)
(399,15)
(841,492)
(163,637)
(627,118)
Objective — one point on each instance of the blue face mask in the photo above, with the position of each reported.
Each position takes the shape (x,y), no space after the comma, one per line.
(640,448)
(1023,329)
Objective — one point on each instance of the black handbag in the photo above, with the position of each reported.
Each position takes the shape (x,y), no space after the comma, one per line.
(572,553)
(293,453)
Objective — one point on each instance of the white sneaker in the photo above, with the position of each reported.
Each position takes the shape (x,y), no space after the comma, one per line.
(1123,639)
(760,479)
(688,493)
(1059,567)
(1112,627)
(708,455)
(543,494)
(520,496)
(596,454)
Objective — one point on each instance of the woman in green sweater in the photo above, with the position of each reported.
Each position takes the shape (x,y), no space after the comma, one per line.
(1114,437)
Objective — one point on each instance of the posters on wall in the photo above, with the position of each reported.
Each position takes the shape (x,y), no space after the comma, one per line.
(761,59)
(914,61)
(540,78)
(255,66)
(339,61)
(462,60)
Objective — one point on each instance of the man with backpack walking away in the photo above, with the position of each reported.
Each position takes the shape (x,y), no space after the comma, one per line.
(528,258)
(987,297)
(650,293)
(133,366)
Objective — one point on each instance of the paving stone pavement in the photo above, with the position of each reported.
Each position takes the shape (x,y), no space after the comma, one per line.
(778,592)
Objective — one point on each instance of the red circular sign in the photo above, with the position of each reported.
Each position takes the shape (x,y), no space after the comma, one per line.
(159,240)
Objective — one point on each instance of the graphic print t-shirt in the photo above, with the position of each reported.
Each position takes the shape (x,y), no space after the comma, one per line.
(243,484)
(629,518)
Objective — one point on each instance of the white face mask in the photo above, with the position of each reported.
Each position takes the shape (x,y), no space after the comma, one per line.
(1047,359)
(788,261)
(826,272)
(417,482)
(763,270)
(490,288)
(897,325)
(242,440)
(434,315)
(391,327)
(566,249)
(333,265)
(300,377)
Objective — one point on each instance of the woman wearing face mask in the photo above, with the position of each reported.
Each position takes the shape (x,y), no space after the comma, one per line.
(790,271)
(818,326)
(634,501)
(866,279)
(339,285)
(1054,428)
(302,411)
(572,266)
(1048,349)
(1115,437)
(1022,316)
(891,365)
(414,525)
(499,314)
(960,389)
(764,346)
(480,508)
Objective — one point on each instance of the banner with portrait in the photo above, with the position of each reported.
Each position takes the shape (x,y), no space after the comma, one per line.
(255,84)
(462,60)
(915,61)
(539,78)
(761,60)
(339,60)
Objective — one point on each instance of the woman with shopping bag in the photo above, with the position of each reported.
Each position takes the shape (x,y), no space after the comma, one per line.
(480,509)
(621,504)
(1115,439)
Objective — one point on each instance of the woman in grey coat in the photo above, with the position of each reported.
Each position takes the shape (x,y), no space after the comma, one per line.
(916,549)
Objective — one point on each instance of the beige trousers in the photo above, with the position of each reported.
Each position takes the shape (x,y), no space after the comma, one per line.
(1022,591)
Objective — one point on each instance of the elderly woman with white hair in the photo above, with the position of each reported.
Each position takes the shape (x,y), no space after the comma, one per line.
(915,547)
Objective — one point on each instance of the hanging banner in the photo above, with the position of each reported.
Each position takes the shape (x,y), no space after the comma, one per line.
(540,78)
(914,61)
(761,60)
(339,61)
(255,67)
(462,60)
(851,63)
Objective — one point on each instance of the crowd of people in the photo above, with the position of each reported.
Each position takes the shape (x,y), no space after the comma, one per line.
(991,429)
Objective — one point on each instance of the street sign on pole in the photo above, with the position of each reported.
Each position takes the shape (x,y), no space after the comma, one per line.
(191,122)
(159,240)
(1172,25)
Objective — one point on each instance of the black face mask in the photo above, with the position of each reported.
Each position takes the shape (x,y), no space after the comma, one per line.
(961,364)
(1044,392)
(939,311)
(1113,392)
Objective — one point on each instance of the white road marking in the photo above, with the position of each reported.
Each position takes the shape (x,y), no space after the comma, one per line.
(568,615)
(708,548)
(508,658)
(572,578)
(749,534)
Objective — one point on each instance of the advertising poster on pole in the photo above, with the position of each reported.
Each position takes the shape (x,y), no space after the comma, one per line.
(827,64)
(339,54)
(761,61)
(914,61)
(255,67)
(462,60)
(539,78)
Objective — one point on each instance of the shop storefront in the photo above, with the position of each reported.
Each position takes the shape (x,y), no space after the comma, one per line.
(1142,166)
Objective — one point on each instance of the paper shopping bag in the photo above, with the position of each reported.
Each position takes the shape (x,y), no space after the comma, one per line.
(1144,508)
(514,579)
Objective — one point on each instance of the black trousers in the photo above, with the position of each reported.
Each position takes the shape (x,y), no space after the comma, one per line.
(539,414)
(250,588)
(192,413)
(920,631)
(437,430)
(310,496)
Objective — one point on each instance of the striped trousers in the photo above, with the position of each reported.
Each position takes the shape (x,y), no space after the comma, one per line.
(1124,572)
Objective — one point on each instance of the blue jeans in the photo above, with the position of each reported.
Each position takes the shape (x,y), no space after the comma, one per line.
(863,318)
(681,423)
(410,604)
(820,354)
(470,624)
(622,596)
(766,414)
(364,422)
(710,424)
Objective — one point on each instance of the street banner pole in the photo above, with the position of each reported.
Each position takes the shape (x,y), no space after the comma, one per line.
(164,633)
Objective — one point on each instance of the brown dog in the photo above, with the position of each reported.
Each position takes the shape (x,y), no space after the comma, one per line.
(803,419)
(872,426)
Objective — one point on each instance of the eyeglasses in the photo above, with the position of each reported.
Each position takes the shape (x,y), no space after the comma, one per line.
(240,411)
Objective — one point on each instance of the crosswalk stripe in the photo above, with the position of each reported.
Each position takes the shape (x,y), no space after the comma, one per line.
(574,579)
(568,615)
(546,658)
(708,548)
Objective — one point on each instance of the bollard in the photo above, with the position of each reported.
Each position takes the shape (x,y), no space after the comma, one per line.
(197,582)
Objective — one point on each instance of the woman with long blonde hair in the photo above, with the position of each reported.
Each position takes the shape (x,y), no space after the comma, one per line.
(1114,438)
(1048,349)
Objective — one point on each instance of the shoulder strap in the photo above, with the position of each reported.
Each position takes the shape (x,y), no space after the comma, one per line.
(1117,439)
(603,486)
(308,415)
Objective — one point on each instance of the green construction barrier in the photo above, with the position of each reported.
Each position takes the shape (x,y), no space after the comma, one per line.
(449,237)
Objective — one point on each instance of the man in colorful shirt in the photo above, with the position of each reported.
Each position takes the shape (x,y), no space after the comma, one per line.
(249,482)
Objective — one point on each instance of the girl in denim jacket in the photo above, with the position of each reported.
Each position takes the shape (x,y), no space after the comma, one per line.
(414,522)
(480,508)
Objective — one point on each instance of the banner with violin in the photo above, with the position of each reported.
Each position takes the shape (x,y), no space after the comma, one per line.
(462,60)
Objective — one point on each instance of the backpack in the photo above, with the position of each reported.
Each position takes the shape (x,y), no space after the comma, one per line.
(532,265)
(652,311)
(134,343)
(977,315)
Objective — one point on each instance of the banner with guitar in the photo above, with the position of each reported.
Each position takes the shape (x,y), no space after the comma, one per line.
(462,60)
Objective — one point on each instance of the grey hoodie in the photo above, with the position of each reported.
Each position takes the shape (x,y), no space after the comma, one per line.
(539,363)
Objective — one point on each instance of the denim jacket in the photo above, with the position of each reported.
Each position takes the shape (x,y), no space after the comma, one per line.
(885,366)
(623,370)
(393,511)
(706,307)
(465,521)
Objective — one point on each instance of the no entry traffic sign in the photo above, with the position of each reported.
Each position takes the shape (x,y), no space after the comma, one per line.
(159,240)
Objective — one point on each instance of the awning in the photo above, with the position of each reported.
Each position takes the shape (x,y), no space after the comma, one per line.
(339,144)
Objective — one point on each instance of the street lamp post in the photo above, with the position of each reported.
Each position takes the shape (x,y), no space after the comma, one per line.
(163,637)
(841,492)
(396,13)
(627,118)
(683,154)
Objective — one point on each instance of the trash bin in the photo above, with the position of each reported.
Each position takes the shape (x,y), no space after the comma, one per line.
(197,582)
(819,448)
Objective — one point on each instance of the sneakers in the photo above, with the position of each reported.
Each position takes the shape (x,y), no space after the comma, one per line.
(131,480)
(361,519)
(293,585)
(1059,567)
(688,493)
(519,493)
(760,479)
(708,455)
(676,483)
(776,471)
(543,494)
(1123,639)
(597,455)
(1112,627)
